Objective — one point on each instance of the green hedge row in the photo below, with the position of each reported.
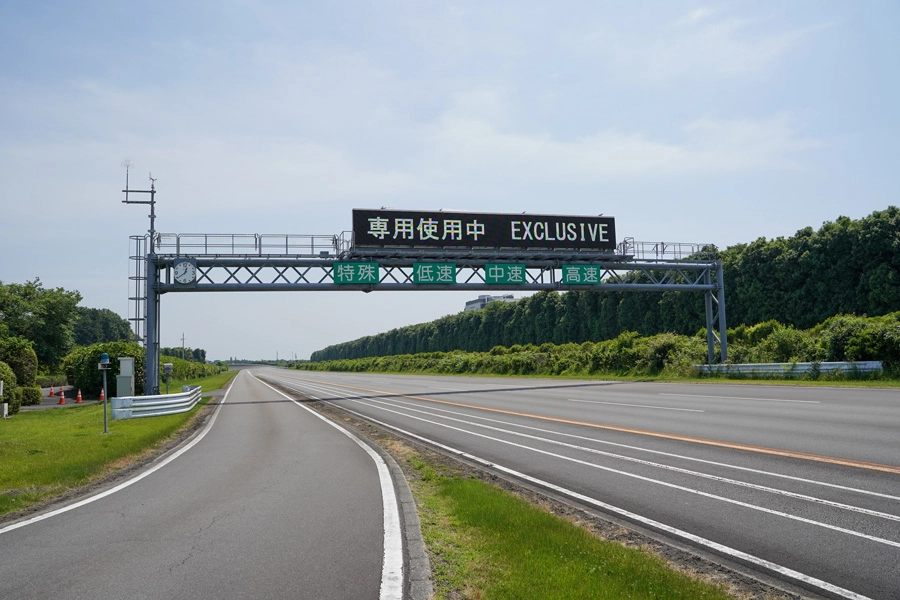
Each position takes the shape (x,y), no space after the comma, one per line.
(81,370)
(186,369)
(628,354)
(837,339)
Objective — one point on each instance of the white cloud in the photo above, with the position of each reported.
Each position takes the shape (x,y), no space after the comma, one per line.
(695,16)
(709,147)
(700,45)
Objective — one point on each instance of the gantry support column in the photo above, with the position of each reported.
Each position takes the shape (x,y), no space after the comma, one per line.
(723,328)
(151,346)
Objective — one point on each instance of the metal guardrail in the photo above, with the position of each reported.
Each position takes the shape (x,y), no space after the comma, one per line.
(132,407)
(791,369)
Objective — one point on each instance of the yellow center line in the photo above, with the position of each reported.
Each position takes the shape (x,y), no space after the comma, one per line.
(846,462)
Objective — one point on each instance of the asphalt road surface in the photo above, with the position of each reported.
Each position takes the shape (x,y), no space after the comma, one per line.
(802,483)
(271,502)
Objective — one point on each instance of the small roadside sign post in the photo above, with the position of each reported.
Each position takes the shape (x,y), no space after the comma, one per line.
(104,366)
(167,373)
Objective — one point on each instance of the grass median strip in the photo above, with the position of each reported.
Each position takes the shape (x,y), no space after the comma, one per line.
(50,452)
(486,542)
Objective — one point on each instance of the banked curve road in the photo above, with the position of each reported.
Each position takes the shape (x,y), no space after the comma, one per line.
(270,500)
(799,483)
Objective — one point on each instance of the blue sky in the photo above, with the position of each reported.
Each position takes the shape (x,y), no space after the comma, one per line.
(687,121)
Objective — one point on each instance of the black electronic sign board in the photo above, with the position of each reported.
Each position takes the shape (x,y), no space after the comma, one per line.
(439,229)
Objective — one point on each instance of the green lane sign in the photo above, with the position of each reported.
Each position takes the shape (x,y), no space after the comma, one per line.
(505,273)
(434,273)
(581,274)
(355,272)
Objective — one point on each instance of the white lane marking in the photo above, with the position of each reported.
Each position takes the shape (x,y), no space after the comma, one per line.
(636,405)
(762,488)
(760,562)
(131,481)
(741,398)
(299,385)
(656,481)
(392,565)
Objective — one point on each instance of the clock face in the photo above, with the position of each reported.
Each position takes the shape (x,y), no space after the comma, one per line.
(185,271)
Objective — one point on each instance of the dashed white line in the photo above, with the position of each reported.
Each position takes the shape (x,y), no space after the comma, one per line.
(742,398)
(636,405)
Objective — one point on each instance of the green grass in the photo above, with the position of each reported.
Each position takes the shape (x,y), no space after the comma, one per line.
(487,543)
(213,382)
(46,453)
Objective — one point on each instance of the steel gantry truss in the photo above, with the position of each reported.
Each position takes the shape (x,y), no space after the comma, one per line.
(259,262)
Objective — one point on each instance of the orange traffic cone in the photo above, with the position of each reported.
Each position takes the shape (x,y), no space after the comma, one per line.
(51,391)
(78,399)
(102,396)
(62,396)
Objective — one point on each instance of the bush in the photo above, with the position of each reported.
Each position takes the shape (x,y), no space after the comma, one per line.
(18,354)
(835,334)
(756,334)
(787,344)
(185,369)
(15,400)
(31,395)
(56,380)
(81,370)
(616,356)
(8,377)
(879,340)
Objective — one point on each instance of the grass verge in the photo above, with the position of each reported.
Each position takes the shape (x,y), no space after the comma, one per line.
(47,453)
(486,542)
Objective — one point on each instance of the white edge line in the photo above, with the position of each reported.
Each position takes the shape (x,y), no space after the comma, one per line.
(726,550)
(392,567)
(124,484)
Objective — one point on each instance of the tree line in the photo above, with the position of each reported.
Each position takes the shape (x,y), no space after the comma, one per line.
(846,267)
(41,327)
(840,338)
(188,354)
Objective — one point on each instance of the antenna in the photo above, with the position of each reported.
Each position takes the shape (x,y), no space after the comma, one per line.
(152,201)
(127,163)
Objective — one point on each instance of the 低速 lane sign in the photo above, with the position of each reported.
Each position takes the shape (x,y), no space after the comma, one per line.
(434,273)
